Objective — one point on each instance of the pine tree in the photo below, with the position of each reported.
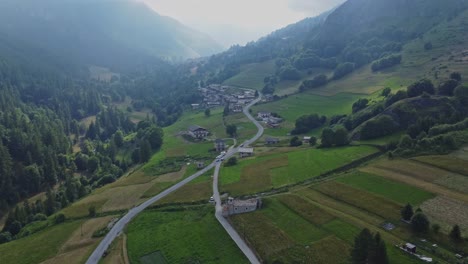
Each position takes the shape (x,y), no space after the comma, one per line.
(407,212)
(455,234)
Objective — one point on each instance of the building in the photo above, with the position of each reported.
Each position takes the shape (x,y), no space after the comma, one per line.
(234,206)
(197,132)
(195,106)
(200,164)
(245,152)
(219,145)
(263,115)
(410,248)
(235,108)
(271,141)
(306,140)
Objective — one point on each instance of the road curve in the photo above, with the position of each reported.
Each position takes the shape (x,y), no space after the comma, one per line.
(219,209)
(132,213)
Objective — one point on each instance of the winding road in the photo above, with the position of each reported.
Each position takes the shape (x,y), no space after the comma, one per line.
(132,213)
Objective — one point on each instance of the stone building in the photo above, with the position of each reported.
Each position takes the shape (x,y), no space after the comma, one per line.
(220,145)
(198,132)
(234,206)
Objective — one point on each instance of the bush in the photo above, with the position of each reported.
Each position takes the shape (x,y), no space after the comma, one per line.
(386,62)
(343,69)
(338,137)
(360,104)
(420,223)
(447,87)
(231,162)
(5,237)
(318,81)
(289,73)
(295,142)
(60,218)
(306,123)
(400,95)
(418,88)
(92,211)
(378,127)
(461,93)
(456,76)
(39,217)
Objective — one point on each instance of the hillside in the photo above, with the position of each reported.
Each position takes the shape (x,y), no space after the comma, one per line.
(113,34)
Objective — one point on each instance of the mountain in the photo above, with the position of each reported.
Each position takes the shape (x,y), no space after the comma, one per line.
(115,34)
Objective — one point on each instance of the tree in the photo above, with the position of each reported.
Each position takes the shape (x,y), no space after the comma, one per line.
(420,87)
(92,211)
(428,45)
(231,162)
(207,112)
(306,123)
(341,137)
(231,130)
(343,69)
(15,227)
(295,142)
(93,164)
(360,104)
(455,234)
(420,223)
(435,228)
(60,218)
(407,212)
(447,87)
(456,76)
(313,141)
(461,93)
(5,237)
(368,249)
(119,138)
(386,92)
(327,137)
(145,151)
(226,110)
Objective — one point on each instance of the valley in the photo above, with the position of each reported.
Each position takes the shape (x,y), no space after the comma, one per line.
(340,139)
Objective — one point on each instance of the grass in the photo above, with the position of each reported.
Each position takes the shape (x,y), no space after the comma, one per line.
(188,236)
(343,230)
(447,212)
(398,192)
(284,168)
(39,246)
(446,162)
(308,211)
(252,75)
(367,201)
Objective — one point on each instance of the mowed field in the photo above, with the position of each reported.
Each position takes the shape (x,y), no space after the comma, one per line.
(274,170)
(69,242)
(252,75)
(192,235)
(291,229)
(449,206)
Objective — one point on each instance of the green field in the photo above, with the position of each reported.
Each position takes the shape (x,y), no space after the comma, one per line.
(252,75)
(39,246)
(279,169)
(188,236)
(280,233)
(446,162)
(398,192)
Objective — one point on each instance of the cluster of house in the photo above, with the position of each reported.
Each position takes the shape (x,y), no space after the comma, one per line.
(269,119)
(218,95)
(236,206)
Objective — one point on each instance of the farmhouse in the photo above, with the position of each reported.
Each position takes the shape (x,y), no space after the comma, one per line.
(235,108)
(245,152)
(263,115)
(234,206)
(271,141)
(195,106)
(197,132)
(306,139)
(219,145)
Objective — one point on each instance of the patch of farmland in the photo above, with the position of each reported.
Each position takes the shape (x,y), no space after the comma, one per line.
(447,211)
(361,199)
(446,162)
(306,210)
(398,192)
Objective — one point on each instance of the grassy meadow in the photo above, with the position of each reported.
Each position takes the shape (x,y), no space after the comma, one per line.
(274,170)
(186,236)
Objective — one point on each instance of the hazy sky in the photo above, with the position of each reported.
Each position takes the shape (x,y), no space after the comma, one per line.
(239,21)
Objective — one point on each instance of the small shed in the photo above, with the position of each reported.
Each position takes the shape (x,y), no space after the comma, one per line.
(246,152)
(200,164)
(306,139)
(410,247)
(271,141)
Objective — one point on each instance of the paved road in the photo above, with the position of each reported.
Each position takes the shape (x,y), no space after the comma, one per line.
(219,209)
(120,225)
